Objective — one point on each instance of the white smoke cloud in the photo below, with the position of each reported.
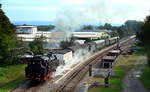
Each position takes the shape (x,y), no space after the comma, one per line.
(112,11)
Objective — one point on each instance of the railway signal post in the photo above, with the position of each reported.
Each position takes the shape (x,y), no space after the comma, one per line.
(90,70)
(106,80)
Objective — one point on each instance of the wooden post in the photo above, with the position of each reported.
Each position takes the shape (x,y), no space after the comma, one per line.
(102,64)
(90,70)
(106,80)
(118,47)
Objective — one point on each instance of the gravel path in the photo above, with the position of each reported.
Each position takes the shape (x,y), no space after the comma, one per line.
(131,82)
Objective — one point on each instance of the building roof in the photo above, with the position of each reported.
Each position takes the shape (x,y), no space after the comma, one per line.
(115,51)
(27,26)
(109,58)
(58,51)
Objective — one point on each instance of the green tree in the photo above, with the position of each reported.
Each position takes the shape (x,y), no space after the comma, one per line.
(87,27)
(36,46)
(46,28)
(8,41)
(144,36)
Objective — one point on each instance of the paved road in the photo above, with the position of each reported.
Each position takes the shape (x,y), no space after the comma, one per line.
(131,82)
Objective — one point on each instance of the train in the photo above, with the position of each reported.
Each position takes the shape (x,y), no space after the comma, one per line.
(41,67)
(92,46)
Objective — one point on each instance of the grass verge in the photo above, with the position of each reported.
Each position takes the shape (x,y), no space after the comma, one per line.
(145,77)
(11,76)
(124,64)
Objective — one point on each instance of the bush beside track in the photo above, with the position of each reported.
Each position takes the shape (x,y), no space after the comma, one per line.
(145,77)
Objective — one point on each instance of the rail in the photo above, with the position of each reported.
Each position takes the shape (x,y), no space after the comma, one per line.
(75,77)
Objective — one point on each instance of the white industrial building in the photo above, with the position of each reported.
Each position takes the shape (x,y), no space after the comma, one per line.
(26,29)
(28,33)
(91,35)
(64,56)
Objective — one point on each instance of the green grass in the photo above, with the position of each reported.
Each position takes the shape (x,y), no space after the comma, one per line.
(141,51)
(124,65)
(11,76)
(145,77)
(115,83)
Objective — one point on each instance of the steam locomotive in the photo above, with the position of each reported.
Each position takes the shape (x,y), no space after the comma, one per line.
(40,67)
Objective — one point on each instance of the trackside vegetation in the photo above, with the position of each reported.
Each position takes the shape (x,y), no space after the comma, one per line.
(11,77)
(123,65)
(8,42)
(145,77)
(143,36)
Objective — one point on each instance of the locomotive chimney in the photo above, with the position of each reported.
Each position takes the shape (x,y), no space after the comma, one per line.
(90,70)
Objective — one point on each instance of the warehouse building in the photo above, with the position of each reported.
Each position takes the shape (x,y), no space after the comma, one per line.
(64,56)
(28,33)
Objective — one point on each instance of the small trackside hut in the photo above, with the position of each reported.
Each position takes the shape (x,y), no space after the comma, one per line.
(108,61)
(114,53)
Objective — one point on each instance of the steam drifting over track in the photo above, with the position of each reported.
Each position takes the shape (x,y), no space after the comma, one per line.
(70,82)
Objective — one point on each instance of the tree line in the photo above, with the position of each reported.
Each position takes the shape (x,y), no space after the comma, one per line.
(8,41)
(10,47)
(144,36)
(128,28)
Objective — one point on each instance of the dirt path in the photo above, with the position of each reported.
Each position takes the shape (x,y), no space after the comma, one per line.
(131,82)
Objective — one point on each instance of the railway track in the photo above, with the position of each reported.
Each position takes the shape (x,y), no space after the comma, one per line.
(75,77)
(71,80)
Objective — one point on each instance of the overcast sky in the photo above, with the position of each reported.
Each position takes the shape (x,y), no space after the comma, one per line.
(112,11)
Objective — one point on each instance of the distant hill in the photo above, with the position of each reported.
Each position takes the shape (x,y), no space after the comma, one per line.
(33,22)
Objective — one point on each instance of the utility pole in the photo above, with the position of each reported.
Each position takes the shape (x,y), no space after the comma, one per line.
(0,5)
(106,80)
(90,70)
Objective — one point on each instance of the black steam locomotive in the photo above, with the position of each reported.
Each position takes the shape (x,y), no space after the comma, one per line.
(40,67)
